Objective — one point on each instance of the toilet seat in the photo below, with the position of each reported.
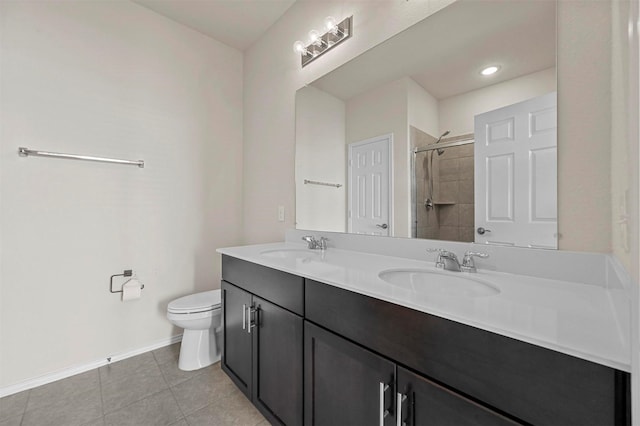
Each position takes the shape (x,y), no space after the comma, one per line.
(206,301)
(193,316)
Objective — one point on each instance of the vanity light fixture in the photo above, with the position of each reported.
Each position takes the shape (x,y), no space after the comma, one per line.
(490,70)
(314,38)
(300,48)
(318,43)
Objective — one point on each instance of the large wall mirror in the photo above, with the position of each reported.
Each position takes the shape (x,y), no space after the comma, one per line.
(410,139)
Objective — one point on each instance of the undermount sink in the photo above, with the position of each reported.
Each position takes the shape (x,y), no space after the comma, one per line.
(290,253)
(435,282)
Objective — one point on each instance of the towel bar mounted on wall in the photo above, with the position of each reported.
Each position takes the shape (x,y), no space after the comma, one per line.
(25,152)
(314,182)
(127,273)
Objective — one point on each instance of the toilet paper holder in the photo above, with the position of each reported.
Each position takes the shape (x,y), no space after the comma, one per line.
(127,273)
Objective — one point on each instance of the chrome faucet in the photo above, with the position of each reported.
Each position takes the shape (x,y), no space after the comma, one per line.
(467,261)
(314,244)
(448,260)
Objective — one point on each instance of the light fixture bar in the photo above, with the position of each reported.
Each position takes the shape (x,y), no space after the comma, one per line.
(327,41)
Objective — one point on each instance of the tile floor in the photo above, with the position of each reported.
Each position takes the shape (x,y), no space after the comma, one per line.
(148,389)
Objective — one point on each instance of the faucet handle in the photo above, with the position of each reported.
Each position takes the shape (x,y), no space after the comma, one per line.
(310,241)
(480,254)
(439,261)
(323,243)
(439,250)
(467,262)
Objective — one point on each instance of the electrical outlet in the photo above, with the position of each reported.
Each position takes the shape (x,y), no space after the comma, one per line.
(280,213)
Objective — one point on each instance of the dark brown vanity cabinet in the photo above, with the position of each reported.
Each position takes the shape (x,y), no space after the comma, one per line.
(454,374)
(346,384)
(310,353)
(263,347)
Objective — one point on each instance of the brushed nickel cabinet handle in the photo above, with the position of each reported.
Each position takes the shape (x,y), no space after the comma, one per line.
(251,322)
(383,413)
(244,317)
(400,398)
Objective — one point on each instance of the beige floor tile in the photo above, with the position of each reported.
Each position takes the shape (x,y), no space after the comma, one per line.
(167,354)
(11,421)
(233,410)
(96,422)
(126,368)
(119,394)
(77,410)
(13,405)
(156,410)
(202,390)
(134,392)
(63,390)
(174,376)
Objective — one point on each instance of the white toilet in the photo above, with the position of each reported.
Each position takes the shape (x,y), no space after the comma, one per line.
(199,315)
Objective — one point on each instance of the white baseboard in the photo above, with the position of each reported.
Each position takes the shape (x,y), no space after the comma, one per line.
(72,371)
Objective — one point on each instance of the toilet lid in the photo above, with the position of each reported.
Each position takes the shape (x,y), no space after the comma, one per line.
(198,302)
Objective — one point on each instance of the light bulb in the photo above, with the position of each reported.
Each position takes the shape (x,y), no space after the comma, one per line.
(299,47)
(314,36)
(330,23)
(490,70)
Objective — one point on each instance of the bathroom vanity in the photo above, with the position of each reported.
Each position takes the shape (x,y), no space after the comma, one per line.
(262,317)
(319,338)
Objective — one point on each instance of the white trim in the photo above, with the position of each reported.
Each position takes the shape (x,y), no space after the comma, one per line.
(72,371)
(389,138)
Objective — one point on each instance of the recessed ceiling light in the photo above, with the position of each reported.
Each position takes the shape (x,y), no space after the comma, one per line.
(490,70)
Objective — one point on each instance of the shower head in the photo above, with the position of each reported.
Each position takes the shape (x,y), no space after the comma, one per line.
(441,151)
(443,135)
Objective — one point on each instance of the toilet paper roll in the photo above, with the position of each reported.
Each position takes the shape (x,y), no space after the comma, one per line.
(131,290)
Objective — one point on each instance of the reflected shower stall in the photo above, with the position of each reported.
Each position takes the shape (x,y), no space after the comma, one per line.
(442,186)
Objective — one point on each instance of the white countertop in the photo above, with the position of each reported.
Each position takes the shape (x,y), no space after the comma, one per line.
(576,319)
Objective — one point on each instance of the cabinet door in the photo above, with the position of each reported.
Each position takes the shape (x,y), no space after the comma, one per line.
(424,403)
(236,352)
(343,382)
(277,362)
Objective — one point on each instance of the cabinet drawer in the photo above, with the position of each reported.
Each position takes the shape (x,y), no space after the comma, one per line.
(537,385)
(279,287)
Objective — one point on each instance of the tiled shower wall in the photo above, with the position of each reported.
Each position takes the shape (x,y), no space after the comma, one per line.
(452,217)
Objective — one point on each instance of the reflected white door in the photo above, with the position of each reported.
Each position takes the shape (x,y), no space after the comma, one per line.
(516,174)
(369,166)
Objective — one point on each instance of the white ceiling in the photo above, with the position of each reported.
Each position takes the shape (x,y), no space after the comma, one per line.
(445,52)
(236,23)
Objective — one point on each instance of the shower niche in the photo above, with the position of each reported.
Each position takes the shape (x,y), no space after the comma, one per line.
(443,184)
